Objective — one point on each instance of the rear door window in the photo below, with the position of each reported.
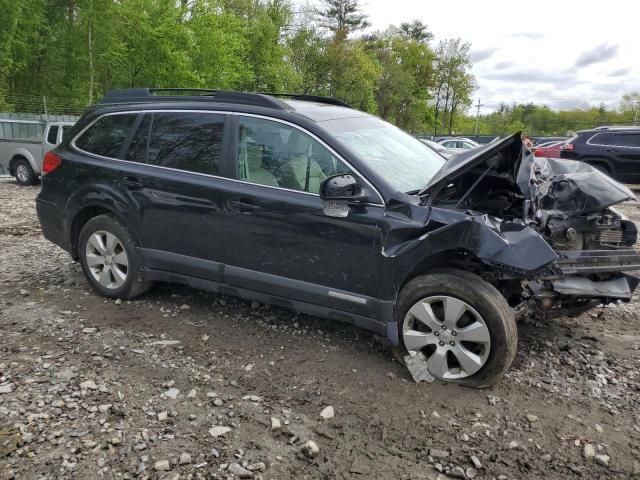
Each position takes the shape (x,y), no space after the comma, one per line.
(602,139)
(185,141)
(107,136)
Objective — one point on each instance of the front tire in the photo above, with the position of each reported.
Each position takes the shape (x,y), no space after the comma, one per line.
(24,173)
(460,325)
(109,259)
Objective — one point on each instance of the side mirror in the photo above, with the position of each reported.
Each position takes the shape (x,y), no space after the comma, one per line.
(340,187)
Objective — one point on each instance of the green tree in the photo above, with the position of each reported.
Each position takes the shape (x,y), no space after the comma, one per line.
(341,17)
(352,75)
(220,47)
(308,56)
(406,74)
(416,30)
(454,84)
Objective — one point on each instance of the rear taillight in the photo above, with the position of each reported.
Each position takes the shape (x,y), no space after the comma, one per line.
(50,162)
(567,147)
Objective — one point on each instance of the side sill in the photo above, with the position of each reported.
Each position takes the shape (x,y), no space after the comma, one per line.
(381,328)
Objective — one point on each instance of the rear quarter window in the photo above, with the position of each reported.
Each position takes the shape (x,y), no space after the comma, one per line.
(628,140)
(107,135)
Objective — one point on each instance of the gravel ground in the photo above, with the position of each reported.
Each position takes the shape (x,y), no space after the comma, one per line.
(183,384)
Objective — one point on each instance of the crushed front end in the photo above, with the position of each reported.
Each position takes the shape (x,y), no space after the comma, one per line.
(583,251)
(571,205)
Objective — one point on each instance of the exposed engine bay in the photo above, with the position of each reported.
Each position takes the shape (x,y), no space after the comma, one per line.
(569,204)
(554,212)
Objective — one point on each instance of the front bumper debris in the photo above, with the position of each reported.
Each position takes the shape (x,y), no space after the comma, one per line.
(585,262)
(619,288)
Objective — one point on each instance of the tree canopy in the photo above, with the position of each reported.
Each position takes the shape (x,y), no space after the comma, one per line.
(73,51)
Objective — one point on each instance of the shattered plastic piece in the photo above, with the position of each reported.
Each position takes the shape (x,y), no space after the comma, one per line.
(417,367)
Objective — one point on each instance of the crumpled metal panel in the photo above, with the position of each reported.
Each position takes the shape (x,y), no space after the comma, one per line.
(620,287)
(560,187)
(501,243)
(554,187)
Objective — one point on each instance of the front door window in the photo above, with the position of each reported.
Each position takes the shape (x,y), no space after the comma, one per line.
(277,155)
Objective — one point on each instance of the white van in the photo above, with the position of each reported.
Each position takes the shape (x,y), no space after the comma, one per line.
(23,144)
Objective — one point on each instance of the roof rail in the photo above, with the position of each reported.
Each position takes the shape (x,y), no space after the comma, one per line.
(143,95)
(310,98)
(617,127)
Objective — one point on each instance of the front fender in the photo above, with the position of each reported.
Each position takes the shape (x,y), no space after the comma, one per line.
(508,246)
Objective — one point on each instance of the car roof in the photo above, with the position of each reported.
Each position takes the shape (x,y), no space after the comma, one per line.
(604,129)
(321,112)
(313,107)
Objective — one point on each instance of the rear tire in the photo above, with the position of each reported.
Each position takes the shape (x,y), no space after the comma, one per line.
(23,172)
(109,258)
(473,348)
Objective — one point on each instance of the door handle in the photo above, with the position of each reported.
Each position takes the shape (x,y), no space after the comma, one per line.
(131,182)
(245,206)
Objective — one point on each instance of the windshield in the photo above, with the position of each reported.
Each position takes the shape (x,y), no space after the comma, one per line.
(402,160)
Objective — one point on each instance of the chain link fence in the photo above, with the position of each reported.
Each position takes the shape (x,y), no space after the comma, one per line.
(31,108)
(18,106)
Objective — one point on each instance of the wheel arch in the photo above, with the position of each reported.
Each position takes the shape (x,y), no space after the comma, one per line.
(460,259)
(23,154)
(85,214)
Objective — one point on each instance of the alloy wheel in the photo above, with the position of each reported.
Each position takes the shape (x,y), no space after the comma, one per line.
(22,173)
(107,259)
(449,334)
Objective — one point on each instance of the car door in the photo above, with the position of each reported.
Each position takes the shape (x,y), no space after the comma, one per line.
(279,239)
(626,152)
(177,161)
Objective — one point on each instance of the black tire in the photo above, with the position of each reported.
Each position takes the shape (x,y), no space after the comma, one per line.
(134,284)
(486,300)
(23,172)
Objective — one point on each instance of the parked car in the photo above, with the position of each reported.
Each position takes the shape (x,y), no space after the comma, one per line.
(23,144)
(539,141)
(306,203)
(612,150)
(438,148)
(548,150)
(459,143)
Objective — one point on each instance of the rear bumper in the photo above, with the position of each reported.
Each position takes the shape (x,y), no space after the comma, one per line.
(51,223)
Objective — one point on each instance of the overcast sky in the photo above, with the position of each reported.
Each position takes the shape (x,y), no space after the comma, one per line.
(564,53)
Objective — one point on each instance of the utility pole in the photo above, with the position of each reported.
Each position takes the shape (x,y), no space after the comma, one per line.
(478,115)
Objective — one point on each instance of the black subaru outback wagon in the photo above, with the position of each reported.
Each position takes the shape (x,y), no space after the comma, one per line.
(306,203)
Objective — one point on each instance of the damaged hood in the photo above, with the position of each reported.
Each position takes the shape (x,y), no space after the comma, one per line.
(463,162)
(554,186)
(557,186)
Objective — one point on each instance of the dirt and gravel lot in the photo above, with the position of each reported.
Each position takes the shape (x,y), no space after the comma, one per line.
(183,384)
